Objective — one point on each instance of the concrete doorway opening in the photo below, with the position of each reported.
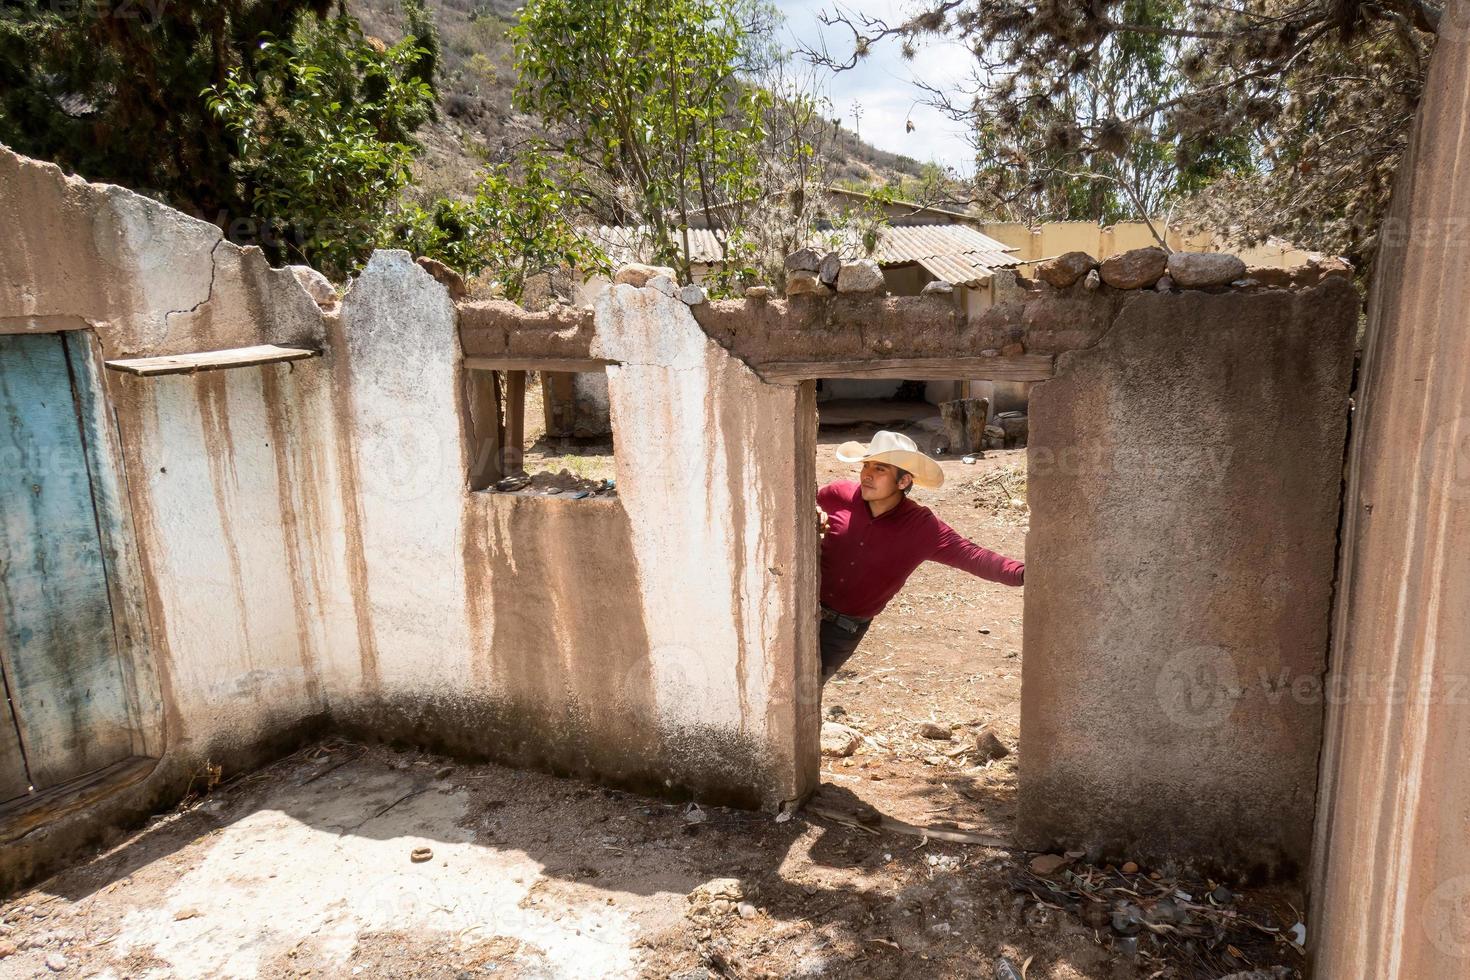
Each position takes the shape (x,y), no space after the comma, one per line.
(922,724)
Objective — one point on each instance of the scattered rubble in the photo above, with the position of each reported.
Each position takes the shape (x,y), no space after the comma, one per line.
(839,741)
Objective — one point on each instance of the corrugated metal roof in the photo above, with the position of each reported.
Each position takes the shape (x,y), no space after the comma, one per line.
(965,255)
(957,270)
(624,244)
(910,243)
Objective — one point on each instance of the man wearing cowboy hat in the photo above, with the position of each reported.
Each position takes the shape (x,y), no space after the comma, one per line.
(874,536)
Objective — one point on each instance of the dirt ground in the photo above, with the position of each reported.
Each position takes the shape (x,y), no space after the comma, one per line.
(307,868)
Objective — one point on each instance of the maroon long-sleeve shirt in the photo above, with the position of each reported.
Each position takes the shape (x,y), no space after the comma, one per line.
(866,560)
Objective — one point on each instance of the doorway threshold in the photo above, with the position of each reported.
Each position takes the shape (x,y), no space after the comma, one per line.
(20,816)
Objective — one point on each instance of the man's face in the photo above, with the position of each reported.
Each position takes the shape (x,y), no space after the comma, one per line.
(881,480)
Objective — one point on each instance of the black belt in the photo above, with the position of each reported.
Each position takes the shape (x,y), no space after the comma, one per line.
(850,623)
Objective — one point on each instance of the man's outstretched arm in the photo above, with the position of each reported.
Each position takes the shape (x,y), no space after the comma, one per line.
(960,552)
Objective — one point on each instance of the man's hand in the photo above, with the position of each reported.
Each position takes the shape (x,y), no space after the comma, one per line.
(821,522)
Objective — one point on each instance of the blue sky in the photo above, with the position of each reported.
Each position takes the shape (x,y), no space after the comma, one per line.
(884,82)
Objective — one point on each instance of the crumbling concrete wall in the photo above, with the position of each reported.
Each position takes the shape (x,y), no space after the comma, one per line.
(224,574)
(1184,480)
(655,639)
(304,552)
(1391,878)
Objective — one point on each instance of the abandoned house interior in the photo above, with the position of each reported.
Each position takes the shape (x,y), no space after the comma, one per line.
(241,513)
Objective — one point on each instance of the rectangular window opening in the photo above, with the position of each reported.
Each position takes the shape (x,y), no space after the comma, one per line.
(541,433)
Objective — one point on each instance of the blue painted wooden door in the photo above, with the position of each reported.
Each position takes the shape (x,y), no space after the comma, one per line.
(67,701)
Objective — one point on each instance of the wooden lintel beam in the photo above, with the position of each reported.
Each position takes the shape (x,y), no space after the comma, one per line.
(571,365)
(1018,367)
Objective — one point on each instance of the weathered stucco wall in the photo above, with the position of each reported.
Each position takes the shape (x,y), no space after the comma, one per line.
(222,568)
(651,639)
(308,552)
(1184,478)
(1391,881)
(303,550)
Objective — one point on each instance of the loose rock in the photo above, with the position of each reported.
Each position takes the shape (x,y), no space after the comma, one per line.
(988,747)
(935,731)
(692,294)
(804,260)
(862,276)
(7,949)
(1129,868)
(420,854)
(758,294)
(316,285)
(802,282)
(1092,281)
(839,741)
(1135,269)
(1200,270)
(1164,285)
(56,963)
(665,285)
(830,268)
(1014,349)
(937,288)
(1047,864)
(452,280)
(1065,269)
(637,274)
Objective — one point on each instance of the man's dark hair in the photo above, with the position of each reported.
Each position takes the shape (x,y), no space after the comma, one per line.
(905,473)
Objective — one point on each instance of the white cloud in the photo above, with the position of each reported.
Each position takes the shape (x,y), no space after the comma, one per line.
(883,83)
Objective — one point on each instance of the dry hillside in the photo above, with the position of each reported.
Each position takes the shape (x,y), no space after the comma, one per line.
(478,124)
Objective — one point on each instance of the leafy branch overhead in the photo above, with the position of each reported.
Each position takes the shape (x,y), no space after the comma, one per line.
(517,225)
(1294,112)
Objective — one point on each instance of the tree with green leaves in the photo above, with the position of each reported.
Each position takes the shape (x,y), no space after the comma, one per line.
(517,225)
(645,101)
(325,133)
(196,103)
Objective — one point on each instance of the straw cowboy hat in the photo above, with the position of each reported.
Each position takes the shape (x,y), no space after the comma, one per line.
(898,450)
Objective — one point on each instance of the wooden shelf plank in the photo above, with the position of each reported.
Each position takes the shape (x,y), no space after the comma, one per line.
(1019,367)
(210,360)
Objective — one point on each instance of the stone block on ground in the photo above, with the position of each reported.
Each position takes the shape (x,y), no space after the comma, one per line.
(839,741)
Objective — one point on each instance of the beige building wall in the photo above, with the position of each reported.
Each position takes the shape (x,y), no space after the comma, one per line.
(1391,884)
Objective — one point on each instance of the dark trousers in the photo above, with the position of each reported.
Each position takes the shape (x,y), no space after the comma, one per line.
(838,644)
